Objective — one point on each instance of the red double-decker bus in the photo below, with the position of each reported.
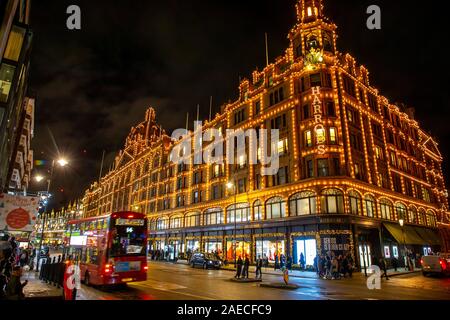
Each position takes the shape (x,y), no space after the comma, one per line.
(109,249)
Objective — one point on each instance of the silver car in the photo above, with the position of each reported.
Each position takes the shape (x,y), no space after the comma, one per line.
(436,264)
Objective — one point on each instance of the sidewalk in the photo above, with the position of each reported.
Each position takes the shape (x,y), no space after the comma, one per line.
(39,290)
(310,274)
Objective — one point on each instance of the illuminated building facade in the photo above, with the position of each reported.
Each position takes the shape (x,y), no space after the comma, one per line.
(55,224)
(352,166)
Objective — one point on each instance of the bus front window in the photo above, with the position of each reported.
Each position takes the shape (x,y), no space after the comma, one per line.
(127,241)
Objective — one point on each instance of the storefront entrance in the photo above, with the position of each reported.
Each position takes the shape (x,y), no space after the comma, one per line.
(365,260)
(308,248)
(192,246)
(174,249)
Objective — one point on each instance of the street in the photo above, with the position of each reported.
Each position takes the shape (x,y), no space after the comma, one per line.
(168,281)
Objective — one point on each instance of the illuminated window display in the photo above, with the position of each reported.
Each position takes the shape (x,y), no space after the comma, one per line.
(214,246)
(242,249)
(192,245)
(270,248)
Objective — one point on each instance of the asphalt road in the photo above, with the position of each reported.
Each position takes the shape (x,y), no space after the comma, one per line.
(180,282)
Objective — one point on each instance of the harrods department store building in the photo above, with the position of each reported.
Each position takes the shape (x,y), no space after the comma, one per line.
(352,166)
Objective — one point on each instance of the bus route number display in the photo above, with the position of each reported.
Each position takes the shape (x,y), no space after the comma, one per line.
(129,222)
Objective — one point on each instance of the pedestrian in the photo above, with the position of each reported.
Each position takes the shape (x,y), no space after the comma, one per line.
(282,261)
(238,268)
(266,261)
(344,266)
(350,265)
(329,265)
(23,260)
(3,278)
(14,288)
(276,266)
(302,261)
(383,267)
(289,263)
(394,262)
(258,271)
(246,266)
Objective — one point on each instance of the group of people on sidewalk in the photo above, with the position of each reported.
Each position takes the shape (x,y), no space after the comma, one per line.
(12,262)
(242,267)
(331,266)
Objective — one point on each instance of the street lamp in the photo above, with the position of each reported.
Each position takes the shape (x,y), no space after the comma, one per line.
(62,163)
(231,185)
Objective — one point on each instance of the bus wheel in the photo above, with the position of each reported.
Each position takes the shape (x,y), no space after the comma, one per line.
(86,279)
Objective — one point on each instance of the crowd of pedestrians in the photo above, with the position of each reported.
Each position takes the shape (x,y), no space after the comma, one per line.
(331,266)
(13,261)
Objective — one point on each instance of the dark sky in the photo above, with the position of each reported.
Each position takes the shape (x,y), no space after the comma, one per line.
(92,85)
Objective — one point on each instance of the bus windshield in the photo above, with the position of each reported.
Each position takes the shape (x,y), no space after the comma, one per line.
(127,240)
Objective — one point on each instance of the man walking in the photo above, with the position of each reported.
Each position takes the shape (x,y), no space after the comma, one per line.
(259,268)
(246,266)
(238,268)
(383,267)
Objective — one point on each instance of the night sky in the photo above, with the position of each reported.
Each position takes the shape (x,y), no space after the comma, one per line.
(92,85)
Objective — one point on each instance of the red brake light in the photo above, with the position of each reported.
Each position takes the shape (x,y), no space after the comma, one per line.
(443,264)
(421,261)
(131,216)
(145,268)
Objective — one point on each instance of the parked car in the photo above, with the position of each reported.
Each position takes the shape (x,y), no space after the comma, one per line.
(205,260)
(436,264)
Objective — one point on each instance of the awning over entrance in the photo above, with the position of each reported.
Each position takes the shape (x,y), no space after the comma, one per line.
(407,234)
(429,236)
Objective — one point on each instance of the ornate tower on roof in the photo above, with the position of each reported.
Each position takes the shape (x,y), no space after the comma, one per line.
(314,33)
(309,10)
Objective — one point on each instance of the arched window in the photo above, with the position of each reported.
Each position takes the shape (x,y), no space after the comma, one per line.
(213,216)
(431,219)
(302,203)
(257,210)
(161,223)
(176,222)
(422,217)
(327,42)
(275,208)
(332,201)
(412,215)
(238,213)
(355,202)
(401,211)
(386,209)
(370,206)
(192,219)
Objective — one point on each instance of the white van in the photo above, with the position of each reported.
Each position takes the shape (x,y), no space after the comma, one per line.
(436,264)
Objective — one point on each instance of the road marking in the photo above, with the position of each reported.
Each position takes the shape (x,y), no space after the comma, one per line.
(167,287)
(160,285)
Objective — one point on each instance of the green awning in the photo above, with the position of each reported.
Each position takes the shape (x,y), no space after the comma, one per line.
(429,236)
(406,235)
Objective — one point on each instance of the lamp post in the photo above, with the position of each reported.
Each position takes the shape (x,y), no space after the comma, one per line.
(231,185)
(62,163)
(402,222)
